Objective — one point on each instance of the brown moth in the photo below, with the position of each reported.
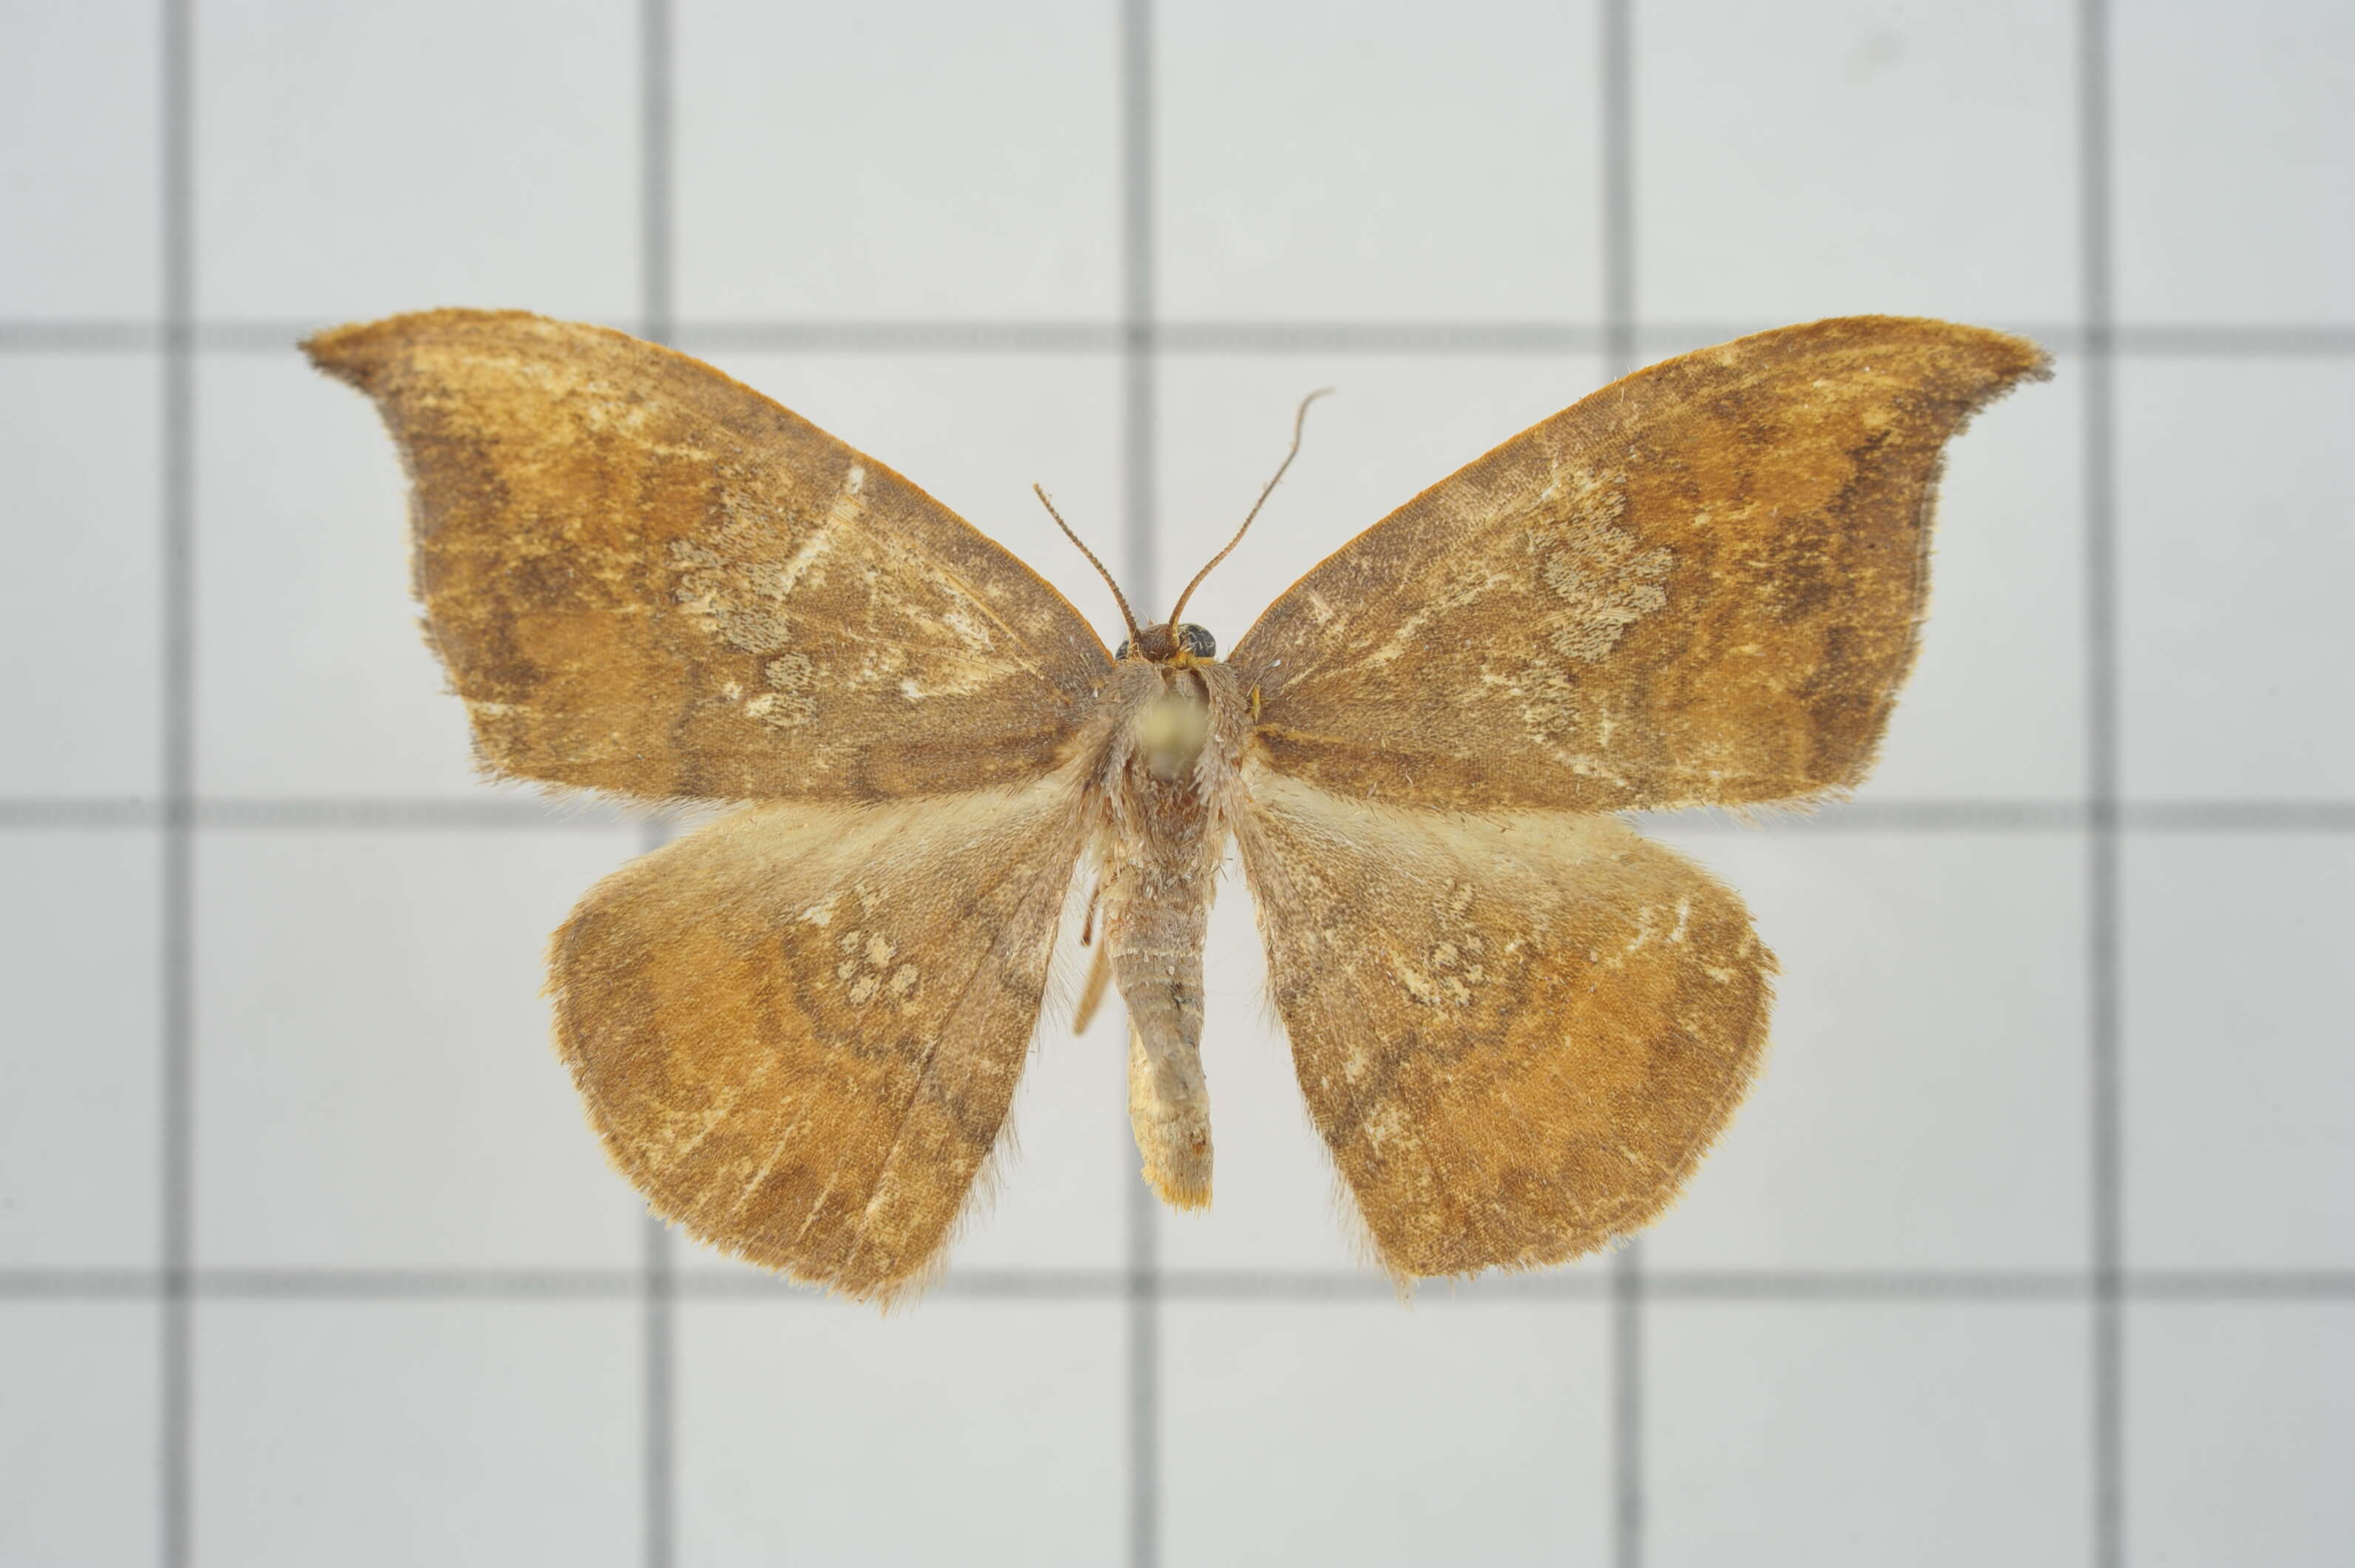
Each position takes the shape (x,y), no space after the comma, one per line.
(1518,1024)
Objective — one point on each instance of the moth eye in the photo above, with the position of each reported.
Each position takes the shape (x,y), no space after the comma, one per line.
(1121,652)
(1196,641)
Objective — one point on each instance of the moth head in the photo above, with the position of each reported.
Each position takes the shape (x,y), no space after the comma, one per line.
(1176,642)
(1181,644)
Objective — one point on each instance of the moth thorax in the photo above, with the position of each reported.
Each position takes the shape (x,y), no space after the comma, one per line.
(1172,730)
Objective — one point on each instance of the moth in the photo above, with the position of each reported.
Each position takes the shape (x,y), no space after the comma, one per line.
(1518,1024)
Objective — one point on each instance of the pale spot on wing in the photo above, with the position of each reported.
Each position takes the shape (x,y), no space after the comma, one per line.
(867,969)
(789,701)
(727,593)
(1603,577)
(1559,561)
(1387,1125)
(1646,919)
(815,547)
(1449,968)
(921,630)
(683,1135)
(1417,986)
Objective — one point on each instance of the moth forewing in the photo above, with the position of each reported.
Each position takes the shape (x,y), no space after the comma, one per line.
(646,577)
(1700,585)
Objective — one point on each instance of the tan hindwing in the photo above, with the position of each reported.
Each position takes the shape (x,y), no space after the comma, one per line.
(1701,586)
(645,578)
(1518,1033)
(798,1029)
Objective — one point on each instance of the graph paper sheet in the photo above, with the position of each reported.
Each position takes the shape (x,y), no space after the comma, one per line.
(2036,1243)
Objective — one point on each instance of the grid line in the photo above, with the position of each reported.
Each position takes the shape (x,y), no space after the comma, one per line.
(657,1283)
(1616,142)
(1137,344)
(176,1410)
(510,812)
(2106,1384)
(1696,1286)
(2194,340)
(182,338)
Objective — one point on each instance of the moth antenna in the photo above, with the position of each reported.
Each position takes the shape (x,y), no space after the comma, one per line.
(1134,634)
(1299,421)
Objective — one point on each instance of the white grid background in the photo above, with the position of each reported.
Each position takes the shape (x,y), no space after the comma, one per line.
(2036,1242)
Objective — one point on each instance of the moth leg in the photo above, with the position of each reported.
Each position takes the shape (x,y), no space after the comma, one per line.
(1091,994)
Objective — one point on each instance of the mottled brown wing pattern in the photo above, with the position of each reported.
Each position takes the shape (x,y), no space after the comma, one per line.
(798,1031)
(1519,1025)
(1516,1032)
(1698,586)
(645,578)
